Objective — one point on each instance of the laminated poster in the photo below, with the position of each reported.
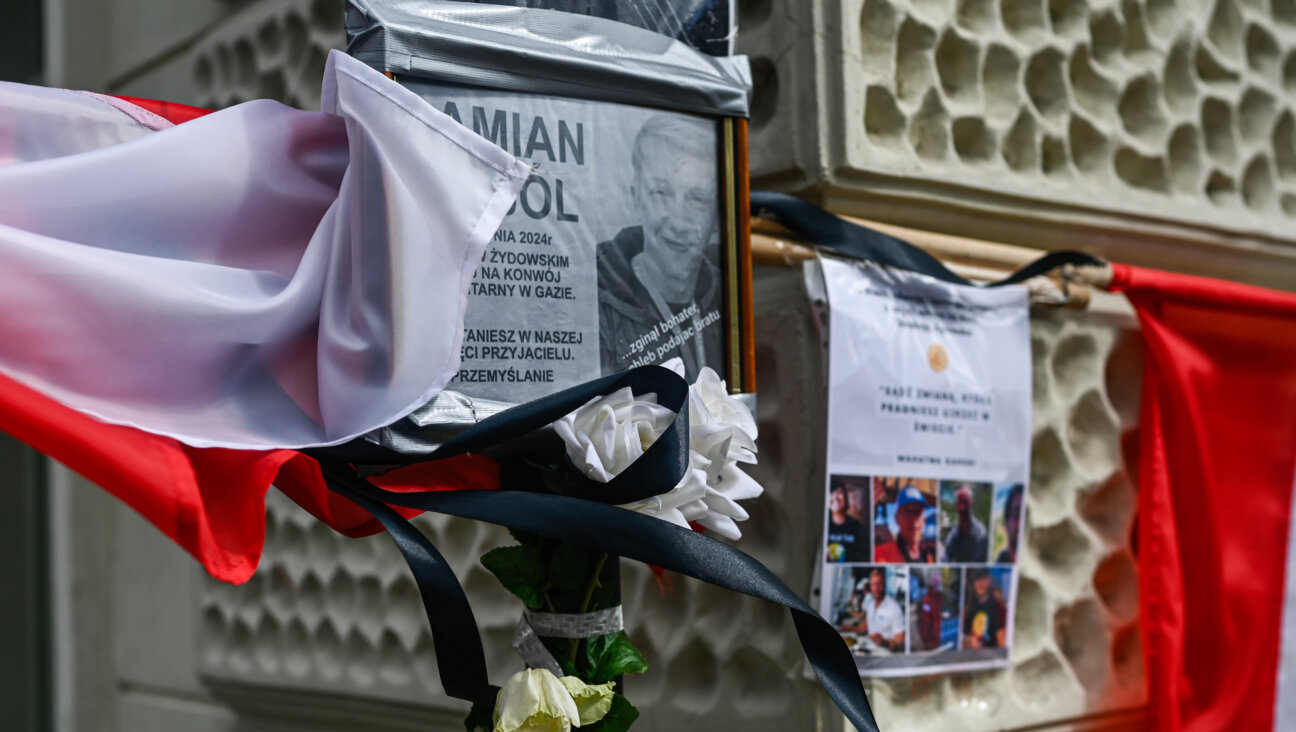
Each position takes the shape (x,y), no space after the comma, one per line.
(707,25)
(609,259)
(928,460)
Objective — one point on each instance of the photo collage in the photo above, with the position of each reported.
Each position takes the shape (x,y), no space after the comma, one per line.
(921,567)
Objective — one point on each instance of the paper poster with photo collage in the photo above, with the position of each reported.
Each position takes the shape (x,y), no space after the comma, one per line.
(928,460)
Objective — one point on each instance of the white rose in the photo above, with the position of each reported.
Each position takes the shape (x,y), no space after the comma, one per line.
(609,432)
(535,700)
(722,433)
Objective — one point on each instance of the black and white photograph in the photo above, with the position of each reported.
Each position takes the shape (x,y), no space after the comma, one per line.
(610,257)
(706,25)
(659,277)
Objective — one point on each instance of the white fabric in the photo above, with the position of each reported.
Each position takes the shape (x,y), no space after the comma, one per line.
(884,617)
(1285,691)
(259,277)
(37,123)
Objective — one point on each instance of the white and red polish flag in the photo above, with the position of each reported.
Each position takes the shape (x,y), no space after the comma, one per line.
(1217,464)
(183,306)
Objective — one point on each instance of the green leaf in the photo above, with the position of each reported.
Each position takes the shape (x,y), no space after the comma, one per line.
(518,568)
(610,656)
(480,717)
(570,567)
(525,538)
(618,719)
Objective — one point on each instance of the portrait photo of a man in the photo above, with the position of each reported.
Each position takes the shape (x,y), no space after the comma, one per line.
(659,277)
(875,609)
(915,516)
(965,513)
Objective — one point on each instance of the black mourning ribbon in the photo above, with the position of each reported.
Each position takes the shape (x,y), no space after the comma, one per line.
(589,520)
(662,464)
(840,236)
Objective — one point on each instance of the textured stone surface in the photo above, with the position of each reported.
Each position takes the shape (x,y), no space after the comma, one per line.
(1139,110)
(276,50)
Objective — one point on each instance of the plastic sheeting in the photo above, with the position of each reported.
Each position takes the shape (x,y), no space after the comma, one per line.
(544,52)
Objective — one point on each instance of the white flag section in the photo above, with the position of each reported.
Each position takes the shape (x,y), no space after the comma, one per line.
(38,123)
(929,402)
(258,277)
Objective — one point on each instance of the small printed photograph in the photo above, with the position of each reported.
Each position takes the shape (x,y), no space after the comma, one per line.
(1009,500)
(934,594)
(869,608)
(964,520)
(659,278)
(847,537)
(904,520)
(985,607)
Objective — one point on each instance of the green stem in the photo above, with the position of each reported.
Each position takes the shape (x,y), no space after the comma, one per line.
(585,603)
(593,582)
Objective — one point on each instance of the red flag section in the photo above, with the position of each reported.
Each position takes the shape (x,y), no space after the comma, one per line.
(211,501)
(172,112)
(1217,464)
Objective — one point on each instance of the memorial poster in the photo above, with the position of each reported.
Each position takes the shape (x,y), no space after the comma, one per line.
(928,459)
(609,259)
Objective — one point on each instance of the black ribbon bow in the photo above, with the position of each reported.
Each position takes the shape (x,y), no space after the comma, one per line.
(590,521)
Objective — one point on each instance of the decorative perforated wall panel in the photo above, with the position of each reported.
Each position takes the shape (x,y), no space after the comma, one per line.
(1142,110)
(272,50)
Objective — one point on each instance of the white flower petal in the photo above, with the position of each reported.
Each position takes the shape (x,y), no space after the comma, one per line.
(737,485)
(534,699)
(593,700)
(717,502)
(722,525)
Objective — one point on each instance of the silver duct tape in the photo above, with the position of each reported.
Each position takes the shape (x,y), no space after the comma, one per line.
(533,652)
(424,429)
(544,52)
(571,625)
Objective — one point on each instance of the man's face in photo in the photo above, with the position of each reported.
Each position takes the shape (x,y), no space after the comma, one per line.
(877,586)
(674,194)
(963,503)
(910,519)
(982,587)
